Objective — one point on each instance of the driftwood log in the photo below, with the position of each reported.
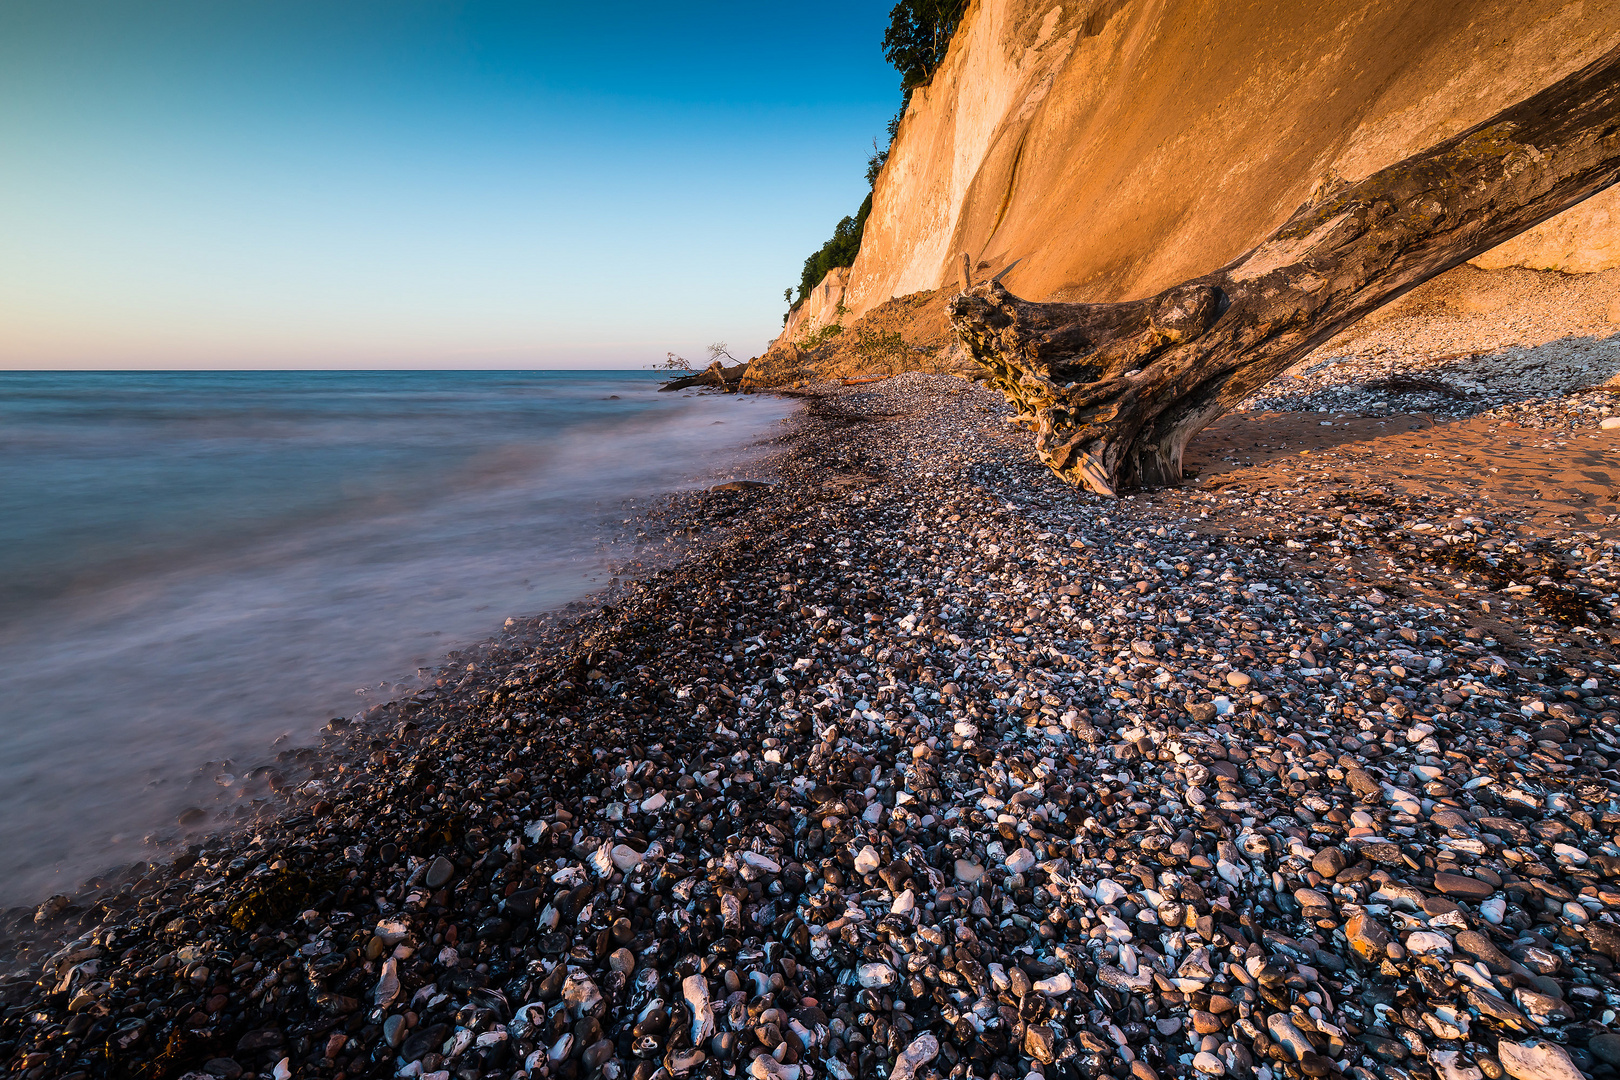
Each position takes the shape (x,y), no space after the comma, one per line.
(1115,392)
(716,375)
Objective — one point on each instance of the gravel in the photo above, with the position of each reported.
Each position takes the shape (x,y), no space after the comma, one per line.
(925,765)
(1383,383)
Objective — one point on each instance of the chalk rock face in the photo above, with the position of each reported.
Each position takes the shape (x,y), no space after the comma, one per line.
(820,307)
(1582,240)
(1043,113)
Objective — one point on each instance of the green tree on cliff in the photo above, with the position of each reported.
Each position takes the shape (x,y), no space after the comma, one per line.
(839,251)
(918,35)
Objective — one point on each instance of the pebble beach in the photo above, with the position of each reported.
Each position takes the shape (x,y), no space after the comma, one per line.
(919,764)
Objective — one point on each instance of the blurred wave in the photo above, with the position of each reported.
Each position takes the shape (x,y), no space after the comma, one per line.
(199,563)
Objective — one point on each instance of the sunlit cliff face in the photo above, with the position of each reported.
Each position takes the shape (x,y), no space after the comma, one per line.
(1111,153)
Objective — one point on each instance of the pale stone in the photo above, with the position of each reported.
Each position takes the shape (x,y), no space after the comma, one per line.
(1536,1060)
(867,860)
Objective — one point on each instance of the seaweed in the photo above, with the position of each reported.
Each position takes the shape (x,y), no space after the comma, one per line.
(1563,603)
(1414,384)
(274,897)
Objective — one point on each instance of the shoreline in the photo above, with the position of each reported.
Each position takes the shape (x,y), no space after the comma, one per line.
(928,764)
(383,540)
(282,780)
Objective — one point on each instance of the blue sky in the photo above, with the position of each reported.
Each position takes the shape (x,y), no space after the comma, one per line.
(395,183)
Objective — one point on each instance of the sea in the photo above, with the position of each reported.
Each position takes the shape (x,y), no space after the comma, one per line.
(199,569)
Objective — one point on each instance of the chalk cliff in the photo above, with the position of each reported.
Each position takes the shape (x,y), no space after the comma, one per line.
(822,307)
(1111,148)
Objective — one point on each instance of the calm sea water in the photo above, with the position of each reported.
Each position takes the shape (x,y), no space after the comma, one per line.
(195,565)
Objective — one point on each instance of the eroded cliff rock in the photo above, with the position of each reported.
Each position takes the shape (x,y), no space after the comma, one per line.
(1110,148)
(823,307)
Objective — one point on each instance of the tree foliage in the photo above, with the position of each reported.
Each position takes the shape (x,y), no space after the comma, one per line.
(839,251)
(880,154)
(919,34)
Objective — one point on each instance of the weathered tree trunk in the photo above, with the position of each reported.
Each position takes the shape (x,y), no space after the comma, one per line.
(1116,391)
(716,375)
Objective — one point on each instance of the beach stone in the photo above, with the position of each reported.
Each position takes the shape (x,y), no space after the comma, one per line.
(1369,939)
(1536,1060)
(1605,1046)
(763,1067)
(1314,1064)
(1602,938)
(968,872)
(1462,885)
(1116,979)
(1313,901)
(580,993)
(1481,947)
(1208,1064)
(422,1041)
(1055,985)
(625,857)
(1109,891)
(1383,1048)
(1494,1007)
(1328,862)
(1039,1043)
(439,872)
(1543,1009)
(1446,1063)
(1362,782)
(1426,942)
(1237,679)
(874,976)
(1287,1036)
(258,1041)
(919,1052)
(695,989)
(1021,861)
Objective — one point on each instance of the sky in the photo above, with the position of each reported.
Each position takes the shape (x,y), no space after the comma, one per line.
(399,183)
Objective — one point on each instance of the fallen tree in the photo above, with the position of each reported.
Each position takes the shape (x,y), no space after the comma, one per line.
(716,375)
(1114,392)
